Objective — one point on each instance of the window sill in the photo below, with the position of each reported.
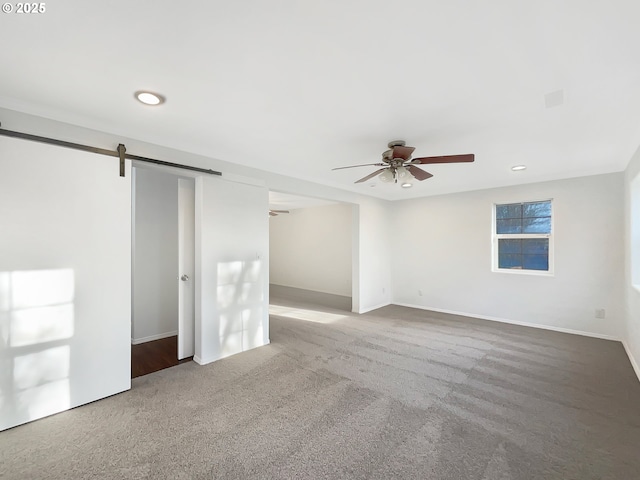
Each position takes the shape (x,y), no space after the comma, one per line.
(515,271)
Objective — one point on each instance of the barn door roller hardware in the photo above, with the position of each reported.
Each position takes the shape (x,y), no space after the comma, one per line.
(120,152)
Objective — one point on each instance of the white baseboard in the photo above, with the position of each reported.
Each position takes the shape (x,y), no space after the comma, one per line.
(198,360)
(515,322)
(369,309)
(633,361)
(137,341)
(205,361)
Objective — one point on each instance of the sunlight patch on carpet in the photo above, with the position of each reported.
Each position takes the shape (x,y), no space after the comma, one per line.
(316,316)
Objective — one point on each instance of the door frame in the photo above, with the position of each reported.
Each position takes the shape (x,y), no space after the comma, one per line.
(186,267)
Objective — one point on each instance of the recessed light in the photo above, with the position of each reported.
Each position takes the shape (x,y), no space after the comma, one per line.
(407,185)
(149,98)
(517,168)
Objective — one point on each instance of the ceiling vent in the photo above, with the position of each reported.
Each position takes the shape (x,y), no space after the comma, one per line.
(554,99)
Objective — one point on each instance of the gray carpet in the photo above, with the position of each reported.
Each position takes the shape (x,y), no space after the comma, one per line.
(397,393)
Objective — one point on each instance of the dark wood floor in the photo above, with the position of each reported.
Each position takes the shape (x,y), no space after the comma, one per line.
(156,355)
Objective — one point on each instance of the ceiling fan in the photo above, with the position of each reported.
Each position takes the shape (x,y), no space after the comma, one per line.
(399,166)
(275,213)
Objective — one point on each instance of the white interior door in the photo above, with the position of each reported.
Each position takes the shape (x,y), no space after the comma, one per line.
(186,266)
(65,270)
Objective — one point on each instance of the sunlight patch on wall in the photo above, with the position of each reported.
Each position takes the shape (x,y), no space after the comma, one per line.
(228,324)
(229,295)
(36,324)
(240,297)
(34,369)
(230,342)
(316,316)
(44,400)
(252,327)
(42,381)
(37,288)
(229,273)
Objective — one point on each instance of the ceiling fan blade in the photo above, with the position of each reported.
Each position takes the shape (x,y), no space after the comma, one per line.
(363,165)
(444,159)
(402,152)
(279,211)
(418,173)
(364,179)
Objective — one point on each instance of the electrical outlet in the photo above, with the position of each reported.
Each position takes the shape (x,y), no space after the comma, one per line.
(384,290)
(419,293)
(600,313)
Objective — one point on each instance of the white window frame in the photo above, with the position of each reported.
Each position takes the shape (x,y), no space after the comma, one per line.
(496,237)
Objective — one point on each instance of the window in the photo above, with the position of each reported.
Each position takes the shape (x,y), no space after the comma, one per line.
(522,237)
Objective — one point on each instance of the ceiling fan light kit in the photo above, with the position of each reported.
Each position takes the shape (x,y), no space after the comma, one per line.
(402,173)
(387,176)
(398,165)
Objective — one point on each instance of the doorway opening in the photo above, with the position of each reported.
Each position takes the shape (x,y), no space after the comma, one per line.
(163,249)
(310,250)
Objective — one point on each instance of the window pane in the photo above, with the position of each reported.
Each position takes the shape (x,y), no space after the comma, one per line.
(509,225)
(536,225)
(510,246)
(525,253)
(537,209)
(510,260)
(535,262)
(512,210)
(537,246)
(515,220)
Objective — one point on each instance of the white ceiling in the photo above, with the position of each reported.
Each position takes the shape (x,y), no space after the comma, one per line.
(302,87)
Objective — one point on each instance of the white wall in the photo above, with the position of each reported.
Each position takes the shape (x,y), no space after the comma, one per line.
(371,255)
(632,252)
(65,269)
(442,246)
(310,248)
(232,262)
(155,258)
